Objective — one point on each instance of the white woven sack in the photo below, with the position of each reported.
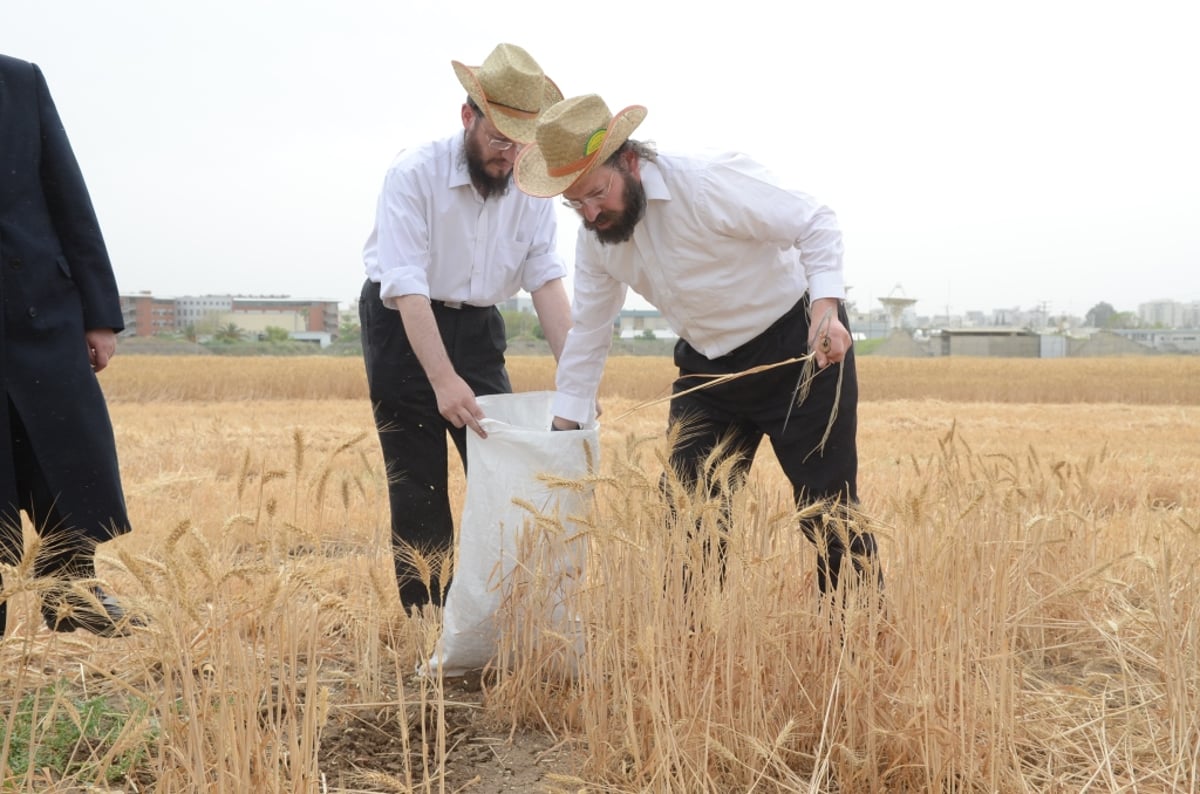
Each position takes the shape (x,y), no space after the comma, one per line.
(506,560)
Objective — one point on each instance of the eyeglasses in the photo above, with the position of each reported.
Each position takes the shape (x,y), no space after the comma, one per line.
(501,144)
(594,199)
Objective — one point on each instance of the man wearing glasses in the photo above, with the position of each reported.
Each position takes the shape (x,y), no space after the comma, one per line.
(747,273)
(451,240)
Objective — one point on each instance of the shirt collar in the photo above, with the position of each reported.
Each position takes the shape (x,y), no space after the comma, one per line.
(653,182)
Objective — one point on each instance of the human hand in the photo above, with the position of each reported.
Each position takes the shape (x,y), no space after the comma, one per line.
(564,424)
(456,403)
(101,346)
(828,339)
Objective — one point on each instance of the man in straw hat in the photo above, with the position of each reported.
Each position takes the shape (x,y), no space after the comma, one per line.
(747,273)
(451,240)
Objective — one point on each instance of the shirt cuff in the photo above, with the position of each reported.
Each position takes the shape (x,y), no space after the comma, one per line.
(577,409)
(826,285)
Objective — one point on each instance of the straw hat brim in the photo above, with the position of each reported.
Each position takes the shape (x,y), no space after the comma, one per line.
(518,129)
(531,172)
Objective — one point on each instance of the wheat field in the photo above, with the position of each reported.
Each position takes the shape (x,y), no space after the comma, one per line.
(1039,525)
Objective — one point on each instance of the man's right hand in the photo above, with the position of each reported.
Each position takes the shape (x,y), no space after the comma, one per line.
(456,403)
(455,400)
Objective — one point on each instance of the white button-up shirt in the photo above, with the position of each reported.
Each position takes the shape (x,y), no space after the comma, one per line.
(723,252)
(435,236)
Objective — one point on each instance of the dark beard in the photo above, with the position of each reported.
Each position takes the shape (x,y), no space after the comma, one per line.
(487,185)
(625,222)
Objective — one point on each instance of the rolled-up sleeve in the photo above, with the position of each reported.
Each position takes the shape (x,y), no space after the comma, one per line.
(597,303)
(543,264)
(402,241)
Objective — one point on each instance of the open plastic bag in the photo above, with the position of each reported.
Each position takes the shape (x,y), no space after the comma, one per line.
(520,557)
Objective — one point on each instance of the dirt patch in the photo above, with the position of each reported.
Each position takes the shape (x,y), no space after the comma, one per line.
(365,749)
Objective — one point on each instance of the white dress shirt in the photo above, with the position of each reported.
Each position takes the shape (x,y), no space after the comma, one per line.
(723,252)
(435,236)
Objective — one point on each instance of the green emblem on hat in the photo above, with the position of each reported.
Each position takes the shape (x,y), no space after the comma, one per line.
(595,141)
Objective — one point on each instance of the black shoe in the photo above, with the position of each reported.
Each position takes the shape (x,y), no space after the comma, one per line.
(67,609)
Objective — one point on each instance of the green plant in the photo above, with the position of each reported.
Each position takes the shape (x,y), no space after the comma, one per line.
(229,333)
(54,730)
(518,324)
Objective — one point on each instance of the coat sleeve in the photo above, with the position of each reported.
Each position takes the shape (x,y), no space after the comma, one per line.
(74,218)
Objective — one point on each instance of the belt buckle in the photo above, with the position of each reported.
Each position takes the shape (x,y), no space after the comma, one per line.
(452,304)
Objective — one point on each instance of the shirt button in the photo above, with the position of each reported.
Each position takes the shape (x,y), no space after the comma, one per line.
(33,311)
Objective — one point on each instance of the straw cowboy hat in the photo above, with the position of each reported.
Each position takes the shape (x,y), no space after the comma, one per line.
(573,138)
(510,89)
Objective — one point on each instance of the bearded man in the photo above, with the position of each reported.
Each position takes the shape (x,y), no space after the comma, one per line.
(451,240)
(749,275)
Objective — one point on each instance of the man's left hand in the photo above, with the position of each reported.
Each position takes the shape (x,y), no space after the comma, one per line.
(828,339)
(102,346)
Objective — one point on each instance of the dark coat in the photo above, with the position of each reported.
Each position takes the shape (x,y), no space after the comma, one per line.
(55,281)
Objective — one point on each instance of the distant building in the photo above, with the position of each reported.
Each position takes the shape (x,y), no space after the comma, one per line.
(295,315)
(1161,314)
(1100,343)
(1164,340)
(633,323)
(201,310)
(870,324)
(322,339)
(146,315)
(996,341)
(1053,345)
(1169,314)
(518,303)
(974,319)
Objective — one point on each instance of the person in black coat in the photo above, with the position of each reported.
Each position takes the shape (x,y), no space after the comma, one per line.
(60,313)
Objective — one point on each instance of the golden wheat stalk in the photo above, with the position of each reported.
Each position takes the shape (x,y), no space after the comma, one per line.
(714,380)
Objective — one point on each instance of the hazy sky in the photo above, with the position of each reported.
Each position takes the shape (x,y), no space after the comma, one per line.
(981,156)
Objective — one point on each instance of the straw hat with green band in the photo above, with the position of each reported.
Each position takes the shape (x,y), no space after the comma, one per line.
(573,138)
(510,89)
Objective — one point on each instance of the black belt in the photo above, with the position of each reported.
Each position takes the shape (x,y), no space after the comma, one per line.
(458,306)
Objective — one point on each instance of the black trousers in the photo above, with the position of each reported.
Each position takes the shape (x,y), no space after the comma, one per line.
(66,550)
(733,418)
(412,434)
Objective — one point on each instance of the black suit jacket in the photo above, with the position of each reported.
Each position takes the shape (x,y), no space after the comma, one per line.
(56,281)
